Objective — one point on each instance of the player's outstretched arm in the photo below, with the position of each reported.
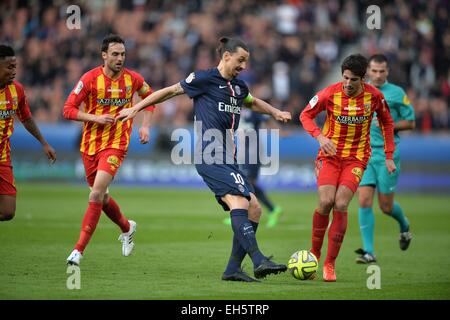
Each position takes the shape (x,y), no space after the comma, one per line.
(155,98)
(32,128)
(87,117)
(261,106)
(144,130)
(71,110)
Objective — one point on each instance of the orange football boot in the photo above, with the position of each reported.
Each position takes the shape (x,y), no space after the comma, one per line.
(329,275)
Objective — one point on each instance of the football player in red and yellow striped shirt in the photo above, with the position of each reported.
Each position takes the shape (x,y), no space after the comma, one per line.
(344,150)
(13,102)
(105,91)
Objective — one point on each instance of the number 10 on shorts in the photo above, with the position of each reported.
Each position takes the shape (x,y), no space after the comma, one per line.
(237,178)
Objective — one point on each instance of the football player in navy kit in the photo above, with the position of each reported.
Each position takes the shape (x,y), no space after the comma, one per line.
(218,98)
(251,122)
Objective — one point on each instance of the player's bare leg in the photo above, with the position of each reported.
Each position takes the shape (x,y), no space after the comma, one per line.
(7,207)
(101,183)
(393,209)
(254,209)
(366,224)
(274,211)
(236,201)
(365,196)
(386,202)
(337,230)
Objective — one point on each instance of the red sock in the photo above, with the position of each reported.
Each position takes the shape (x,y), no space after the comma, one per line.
(112,210)
(88,225)
(320,224)
(336,235)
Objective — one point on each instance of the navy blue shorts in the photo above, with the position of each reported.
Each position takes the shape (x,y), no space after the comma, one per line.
(225,179)
(250,170)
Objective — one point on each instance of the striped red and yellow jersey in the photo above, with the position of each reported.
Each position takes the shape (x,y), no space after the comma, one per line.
(348,120)
(12,102)
(102,95)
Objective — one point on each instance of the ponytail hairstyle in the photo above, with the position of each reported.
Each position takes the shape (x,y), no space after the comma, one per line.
(231,45)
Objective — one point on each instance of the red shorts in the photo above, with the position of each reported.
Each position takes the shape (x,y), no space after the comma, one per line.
(108,160)
(337,171)
(7,185)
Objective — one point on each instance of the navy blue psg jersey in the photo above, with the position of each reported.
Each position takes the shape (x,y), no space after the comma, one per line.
(217,108)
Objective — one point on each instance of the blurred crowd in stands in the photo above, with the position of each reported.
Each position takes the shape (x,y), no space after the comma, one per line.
(293,46)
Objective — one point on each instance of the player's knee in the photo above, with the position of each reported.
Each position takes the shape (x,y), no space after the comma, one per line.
(325,204)
(341,205)
(386,207)
(236,202)
(96,196)
(365,202)
(254,212)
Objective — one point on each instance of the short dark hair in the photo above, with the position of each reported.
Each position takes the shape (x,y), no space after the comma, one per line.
(379,58)
(112,38)
(356,63)
(230,45)
(6,51)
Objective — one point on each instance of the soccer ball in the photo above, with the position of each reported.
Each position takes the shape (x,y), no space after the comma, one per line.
(303,265)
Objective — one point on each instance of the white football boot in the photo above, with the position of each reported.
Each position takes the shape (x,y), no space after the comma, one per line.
(74,258)
(127,239)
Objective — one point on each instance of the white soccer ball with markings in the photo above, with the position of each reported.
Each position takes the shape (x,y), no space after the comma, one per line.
(303,265)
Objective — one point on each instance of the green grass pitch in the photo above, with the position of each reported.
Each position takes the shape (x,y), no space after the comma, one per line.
(182,248)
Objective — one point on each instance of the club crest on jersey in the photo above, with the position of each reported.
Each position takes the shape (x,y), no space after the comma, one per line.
(237,89)
(145,88)
(358,173)
(114,162)
(190,77)
(367,107)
